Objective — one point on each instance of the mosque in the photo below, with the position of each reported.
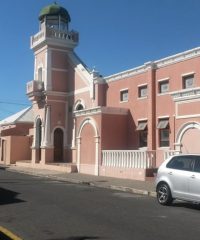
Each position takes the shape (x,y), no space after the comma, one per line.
(124,125)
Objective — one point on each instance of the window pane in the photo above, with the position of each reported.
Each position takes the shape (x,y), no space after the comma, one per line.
(182,163)
(164,87)
(164,137)
(141,126)
(143,91)
(124,95)
(197,165)
(188,81)
(163,123)
(143,138)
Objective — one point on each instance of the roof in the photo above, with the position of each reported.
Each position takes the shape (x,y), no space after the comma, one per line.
(24,116)
(54,9)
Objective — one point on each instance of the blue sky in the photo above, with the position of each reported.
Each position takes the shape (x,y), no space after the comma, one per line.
(115,35)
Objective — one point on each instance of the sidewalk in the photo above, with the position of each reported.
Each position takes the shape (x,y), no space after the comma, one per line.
(126,185)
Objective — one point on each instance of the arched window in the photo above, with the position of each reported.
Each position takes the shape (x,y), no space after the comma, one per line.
(58,145)
(79,107)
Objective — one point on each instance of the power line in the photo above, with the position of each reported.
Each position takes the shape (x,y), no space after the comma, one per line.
(14,103)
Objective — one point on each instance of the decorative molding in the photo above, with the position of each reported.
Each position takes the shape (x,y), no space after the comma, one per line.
(187,74)
(163,79)
(126,74)
(184,128)
(101,110)
(192,53)
(142,85)
(189,115)
(142,119)
(186,94)
(163,117)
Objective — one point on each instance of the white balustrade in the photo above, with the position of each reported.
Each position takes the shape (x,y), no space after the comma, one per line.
(170,153)
(47,32)
(128,158)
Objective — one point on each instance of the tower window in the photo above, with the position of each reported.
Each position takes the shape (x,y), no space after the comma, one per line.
(53,22)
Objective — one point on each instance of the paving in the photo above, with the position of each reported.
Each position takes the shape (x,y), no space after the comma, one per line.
(126,185)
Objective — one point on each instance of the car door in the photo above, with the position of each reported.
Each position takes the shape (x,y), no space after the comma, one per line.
(179,171)
(194,181)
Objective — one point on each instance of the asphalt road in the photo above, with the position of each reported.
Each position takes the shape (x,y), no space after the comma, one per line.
(44,209)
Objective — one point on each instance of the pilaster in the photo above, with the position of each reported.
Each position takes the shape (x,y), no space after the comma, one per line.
(150,74)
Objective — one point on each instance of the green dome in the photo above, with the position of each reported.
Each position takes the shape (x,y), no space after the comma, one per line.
(54,9)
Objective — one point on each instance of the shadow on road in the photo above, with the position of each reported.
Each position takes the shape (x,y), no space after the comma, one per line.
(76,238)
(8,197)
(195,206)
(2,168)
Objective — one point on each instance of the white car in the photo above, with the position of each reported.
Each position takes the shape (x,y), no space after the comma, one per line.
(179,178)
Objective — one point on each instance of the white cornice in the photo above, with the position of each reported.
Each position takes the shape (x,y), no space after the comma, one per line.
(126,74)
(195,52)
(192,53)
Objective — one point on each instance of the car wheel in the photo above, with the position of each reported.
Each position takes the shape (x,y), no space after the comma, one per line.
(164,196)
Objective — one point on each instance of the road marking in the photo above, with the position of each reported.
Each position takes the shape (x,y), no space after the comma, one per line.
(7,235)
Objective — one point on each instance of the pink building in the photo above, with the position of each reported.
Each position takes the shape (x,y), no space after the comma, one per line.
(123,125)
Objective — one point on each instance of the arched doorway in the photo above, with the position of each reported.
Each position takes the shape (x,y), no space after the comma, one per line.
(87,152)
(58,145)
(88,147)
(188,138)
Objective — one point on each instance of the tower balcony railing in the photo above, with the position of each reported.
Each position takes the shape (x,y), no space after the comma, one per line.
(71,38)
(34,88)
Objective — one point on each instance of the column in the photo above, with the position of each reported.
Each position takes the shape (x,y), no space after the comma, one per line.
(47,128)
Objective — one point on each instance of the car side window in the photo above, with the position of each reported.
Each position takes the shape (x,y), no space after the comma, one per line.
(181,163)
(197,165)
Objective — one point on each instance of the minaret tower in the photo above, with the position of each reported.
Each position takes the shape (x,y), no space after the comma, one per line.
(48,91)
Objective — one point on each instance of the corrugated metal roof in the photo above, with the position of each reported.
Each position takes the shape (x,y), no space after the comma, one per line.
(24,116)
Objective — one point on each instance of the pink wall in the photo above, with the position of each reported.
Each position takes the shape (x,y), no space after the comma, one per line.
(22,143)
(19,129)
(126,173)
(114,131)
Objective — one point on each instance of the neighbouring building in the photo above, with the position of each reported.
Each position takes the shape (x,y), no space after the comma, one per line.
(123,125)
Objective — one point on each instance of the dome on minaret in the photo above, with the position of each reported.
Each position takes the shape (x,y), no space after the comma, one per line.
(54,10)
